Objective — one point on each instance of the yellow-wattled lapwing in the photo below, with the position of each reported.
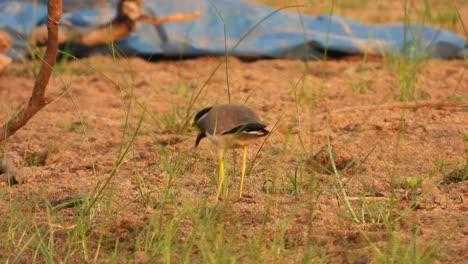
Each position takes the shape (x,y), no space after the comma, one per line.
(229,126)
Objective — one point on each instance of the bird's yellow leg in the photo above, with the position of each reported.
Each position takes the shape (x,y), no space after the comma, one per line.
(220,174)
(243,172)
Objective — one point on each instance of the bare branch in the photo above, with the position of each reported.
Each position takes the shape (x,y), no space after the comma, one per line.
(176,17)
(38,99)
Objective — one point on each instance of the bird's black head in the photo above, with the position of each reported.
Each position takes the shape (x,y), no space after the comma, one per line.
(197,118)
(200,114)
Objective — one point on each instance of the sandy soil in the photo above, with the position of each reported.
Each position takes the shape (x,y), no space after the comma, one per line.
(388,143)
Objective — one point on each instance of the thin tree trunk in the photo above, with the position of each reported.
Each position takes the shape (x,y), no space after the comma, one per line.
(38,99)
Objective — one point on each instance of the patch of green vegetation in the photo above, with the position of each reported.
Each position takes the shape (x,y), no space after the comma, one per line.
(78,126)
(452,172)
(35,159)
(415,250)
(360,85)
(457,175)
(443,14)
(405,67)
(412,182)
(296,183)
(173,123)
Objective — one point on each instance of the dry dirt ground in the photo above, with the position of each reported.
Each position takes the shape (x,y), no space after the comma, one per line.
(377,142)
(388,144)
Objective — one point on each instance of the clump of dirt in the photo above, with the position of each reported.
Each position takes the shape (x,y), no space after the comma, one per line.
(457,175)
(323,162)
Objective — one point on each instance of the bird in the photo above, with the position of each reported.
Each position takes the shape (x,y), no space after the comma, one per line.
(229,126)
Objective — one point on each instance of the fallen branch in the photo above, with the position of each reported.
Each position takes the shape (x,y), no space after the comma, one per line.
(368,198)
(410,105)
(128,14)
(38,99)
(176,17)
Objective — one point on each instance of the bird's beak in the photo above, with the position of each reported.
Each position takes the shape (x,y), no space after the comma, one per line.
(199,138)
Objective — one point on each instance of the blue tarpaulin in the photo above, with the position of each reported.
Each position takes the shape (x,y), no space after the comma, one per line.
(249,30)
